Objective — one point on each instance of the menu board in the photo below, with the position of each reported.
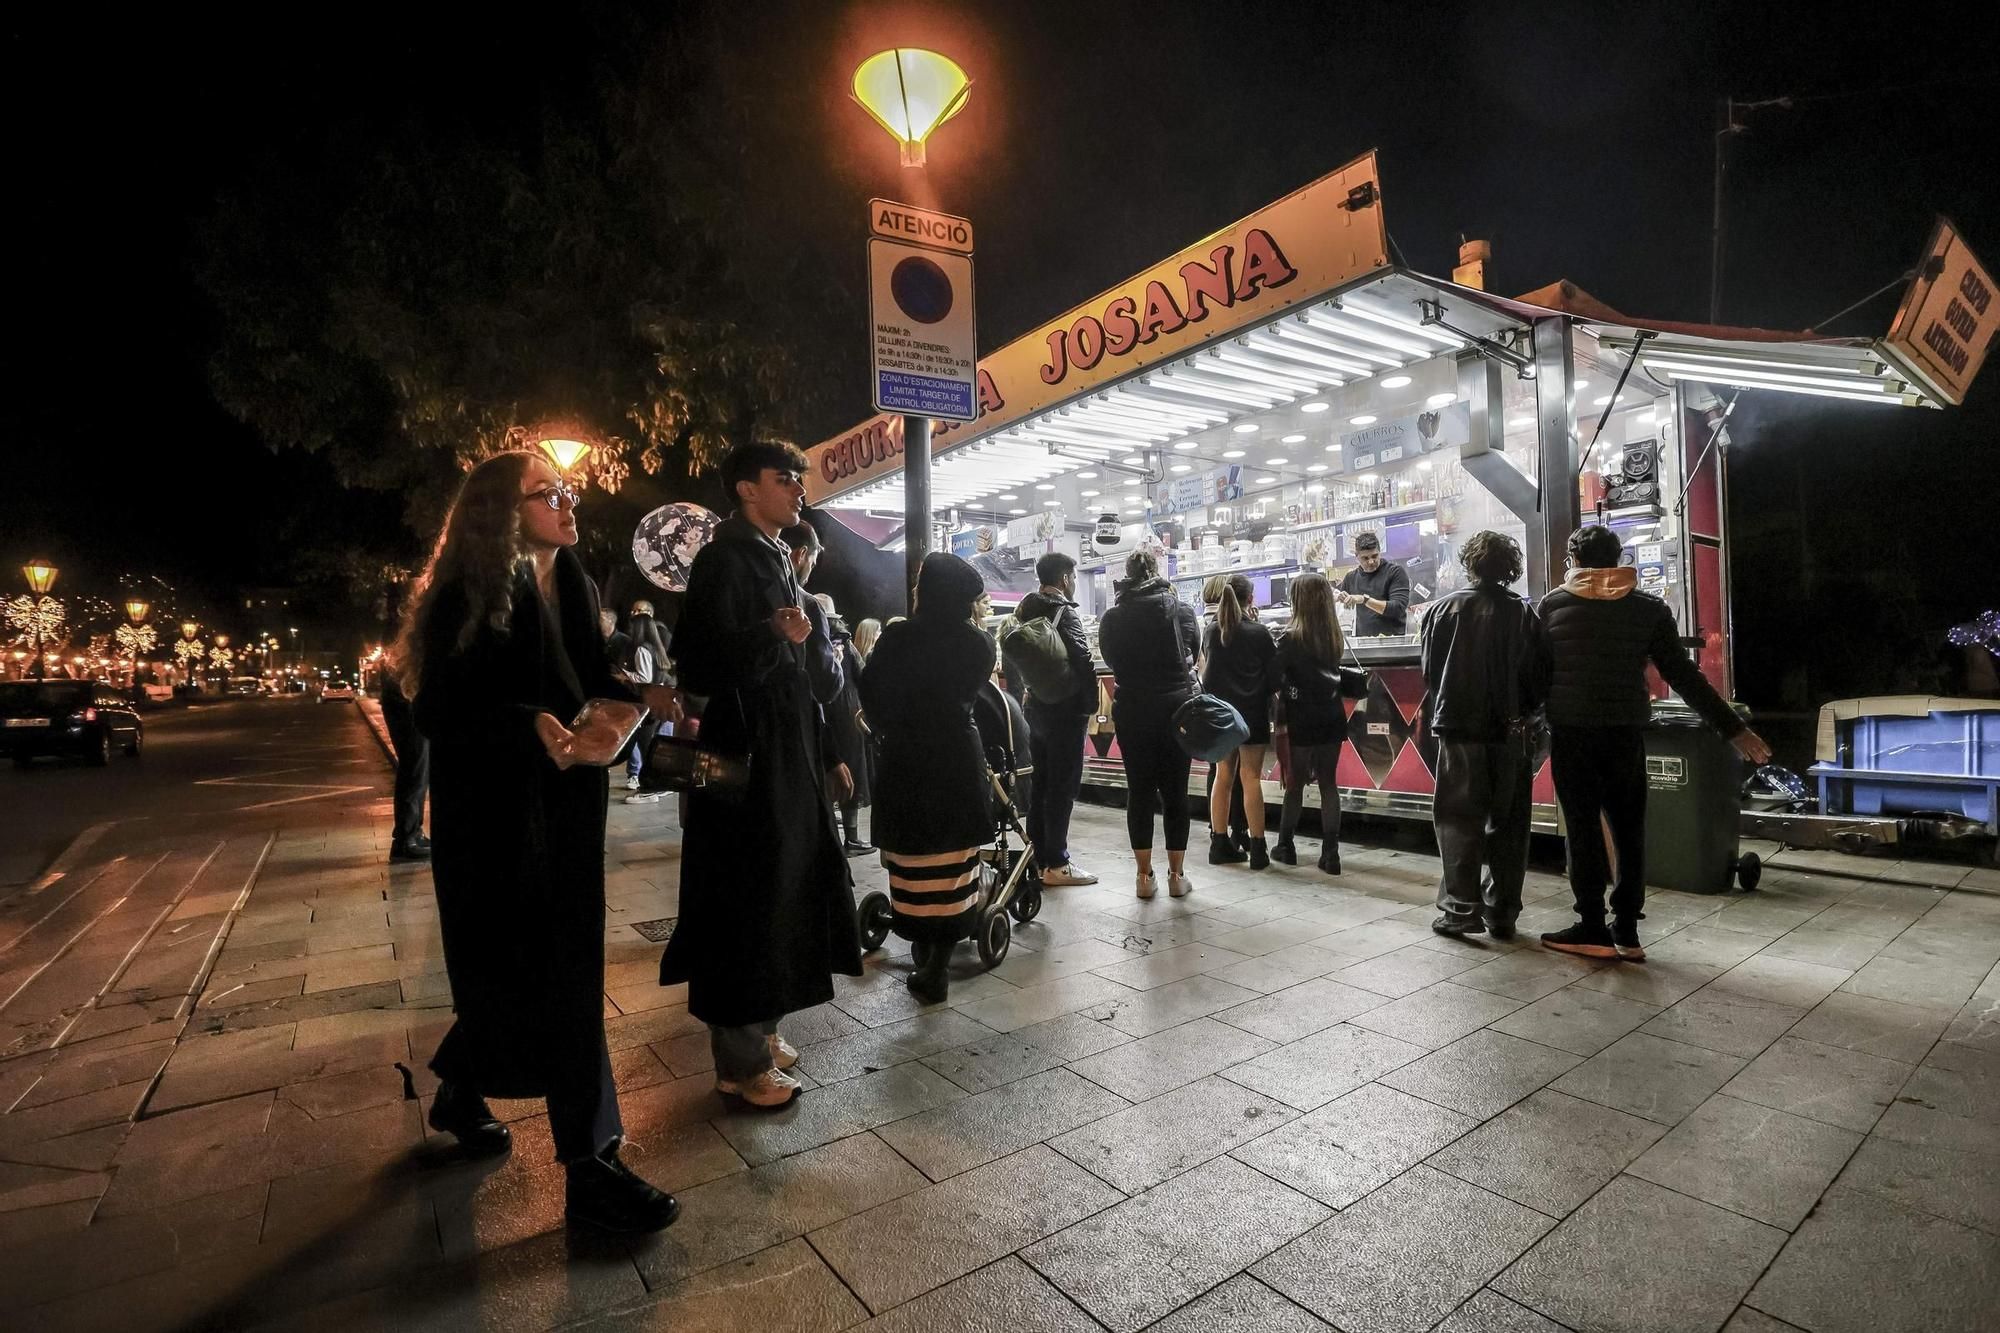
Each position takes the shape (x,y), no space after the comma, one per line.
(1401,441)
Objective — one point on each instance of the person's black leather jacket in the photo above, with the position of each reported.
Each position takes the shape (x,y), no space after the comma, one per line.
(1485,666)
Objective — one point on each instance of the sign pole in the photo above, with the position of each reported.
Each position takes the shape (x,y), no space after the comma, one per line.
(916,502)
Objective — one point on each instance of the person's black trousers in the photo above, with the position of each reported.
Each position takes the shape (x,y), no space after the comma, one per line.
(583,1118)
(1601,772)
(1055,745)
(1481,813)
(1156,772)
(413,764)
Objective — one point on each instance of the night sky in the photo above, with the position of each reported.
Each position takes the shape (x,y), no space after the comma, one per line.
(1100,137)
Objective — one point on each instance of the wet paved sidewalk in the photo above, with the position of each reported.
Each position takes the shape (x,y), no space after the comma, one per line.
(1279,1103)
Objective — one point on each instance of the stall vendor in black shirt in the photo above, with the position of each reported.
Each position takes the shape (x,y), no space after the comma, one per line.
(1379,591)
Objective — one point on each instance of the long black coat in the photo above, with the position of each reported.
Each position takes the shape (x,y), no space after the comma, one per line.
(518,854)
(931,793)
(767,908)
(851,741)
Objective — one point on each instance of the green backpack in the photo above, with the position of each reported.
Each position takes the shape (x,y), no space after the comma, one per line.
(1037,657)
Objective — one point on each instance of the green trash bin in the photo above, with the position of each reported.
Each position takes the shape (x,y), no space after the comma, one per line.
(1693,776)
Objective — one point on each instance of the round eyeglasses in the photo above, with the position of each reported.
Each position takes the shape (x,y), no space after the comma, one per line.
(553,497)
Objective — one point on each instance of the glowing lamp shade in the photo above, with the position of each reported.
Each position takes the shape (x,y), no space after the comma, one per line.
(222,640)
(910,92)
(565,454)
(188,627)
(136,609)
(41,576)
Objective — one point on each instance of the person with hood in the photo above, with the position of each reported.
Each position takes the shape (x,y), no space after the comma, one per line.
(1599,633)
(1149,640)
(1058,725)
(767,912)
(1485,678)
(932,802)
(500,648)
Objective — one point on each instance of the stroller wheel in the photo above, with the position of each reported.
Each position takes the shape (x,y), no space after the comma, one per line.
(995,934)
(1027,903)
(874,917)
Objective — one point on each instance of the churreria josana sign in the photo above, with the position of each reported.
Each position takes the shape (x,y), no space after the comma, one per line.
(1311,242)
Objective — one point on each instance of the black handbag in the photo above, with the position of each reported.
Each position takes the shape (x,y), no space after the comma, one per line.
(684,764)
(1206,727)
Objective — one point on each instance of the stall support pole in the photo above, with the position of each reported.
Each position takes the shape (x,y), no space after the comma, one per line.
(1549,548)
(916,501)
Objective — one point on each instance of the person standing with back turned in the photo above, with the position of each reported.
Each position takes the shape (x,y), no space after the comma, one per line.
(1601,632)
(1057,726)
(767,915)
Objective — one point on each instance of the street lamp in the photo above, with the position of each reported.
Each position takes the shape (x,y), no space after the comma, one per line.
(137,637)
(910,92)
(37,616)
(565,454)
(41,576)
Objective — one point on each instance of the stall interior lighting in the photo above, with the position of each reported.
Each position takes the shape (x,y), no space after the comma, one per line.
(1440,399)
(1313,407)
(1276,462)
(1742,380)
(1232,453)
(1293,439)
(1247,428)
(1774,378)
(1363,420)
(1396,382)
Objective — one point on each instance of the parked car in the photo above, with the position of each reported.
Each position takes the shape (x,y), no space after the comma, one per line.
(80,717)
(336,688)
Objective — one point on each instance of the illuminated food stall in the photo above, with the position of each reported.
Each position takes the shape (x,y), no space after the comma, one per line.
(1259,401)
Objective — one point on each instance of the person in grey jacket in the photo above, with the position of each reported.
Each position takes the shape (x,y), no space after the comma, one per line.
(1600,633)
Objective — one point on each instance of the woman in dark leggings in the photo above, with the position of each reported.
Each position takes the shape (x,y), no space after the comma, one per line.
(1311,686)
(1149,639)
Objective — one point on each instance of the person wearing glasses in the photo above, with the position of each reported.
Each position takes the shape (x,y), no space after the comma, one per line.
(766,906)
(499,649)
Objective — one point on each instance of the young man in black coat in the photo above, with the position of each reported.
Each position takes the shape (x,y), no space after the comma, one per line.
(767,912)
(1600,633)
(1057,726)
(1485,680)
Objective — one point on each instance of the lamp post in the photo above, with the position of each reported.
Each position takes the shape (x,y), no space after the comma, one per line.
(136,637)
(37,616)
(565,454)
(910,92)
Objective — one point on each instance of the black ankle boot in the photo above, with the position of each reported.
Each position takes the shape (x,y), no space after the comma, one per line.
(1222,852)
(931,982)
(603,1192)
(1260,855)
(465,1114)
(1284,853)
(1329,857)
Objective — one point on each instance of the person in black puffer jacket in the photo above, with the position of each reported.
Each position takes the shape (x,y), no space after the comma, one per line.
(1600,633)
(1240,667)
(1148,640)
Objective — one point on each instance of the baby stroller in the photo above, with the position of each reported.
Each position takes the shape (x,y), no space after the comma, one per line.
(1009,882)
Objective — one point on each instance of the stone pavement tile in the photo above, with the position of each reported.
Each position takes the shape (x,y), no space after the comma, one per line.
(1142,1013)
(1270,936)
(1770,913)
(1854,918)
(654,1025)
(1490,1312)
(28,1186)
(902,1249)
(890,1004)
(1950,940)
(1006,1294)
(1405,971)
(1354,1144)
(1528,974)
(382,994)
(973,1131)
(111,1250)
(72,1115)
(1964,1059)
(1877,1027)
(1641,1259)
(1549,1151)
(344,974)
(1242,1303)
(1926,983)
(392,1020)
(1659,983)
(1650,1076)
(26,1225)
(1166,1060)
(1761,1163)
(90,1150)
(1829,948)
(1003,1057)
(1374,939)
(1481,1074)
(1914,1121)
(1036,1004)
(1161,966)
(323,1098)
(212,1069)
(1862,1265)
(747,1211)
(884,1047)
(1405,1256)
(1314,1070)
(1281,969)
(1709,944)
(1580,1021)
(340,1230)
(236,1121)
(1961,1186)
(1141,1259)
(822,1115)
(71,1073)
(1154,1141)
(1747,1320)
(1061,960)
(1823,1083)
(1782,981)
(1436,1015)
(1723,1021)
(1977,1023)
(1301,1010)
(787,1287)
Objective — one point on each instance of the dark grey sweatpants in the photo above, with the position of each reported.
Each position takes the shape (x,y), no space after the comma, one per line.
(1481,813)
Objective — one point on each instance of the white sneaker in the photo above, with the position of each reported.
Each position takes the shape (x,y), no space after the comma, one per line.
(1179,886)
(783,1054)
(1146,885)
(642,798)
(632,783)
(769,1090)
(1067,875)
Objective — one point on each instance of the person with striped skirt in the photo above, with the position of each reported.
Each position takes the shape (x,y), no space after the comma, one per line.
(933,805)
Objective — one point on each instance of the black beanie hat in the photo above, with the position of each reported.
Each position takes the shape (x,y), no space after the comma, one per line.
(947,587)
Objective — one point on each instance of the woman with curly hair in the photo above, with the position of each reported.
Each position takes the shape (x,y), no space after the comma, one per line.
(500,647)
